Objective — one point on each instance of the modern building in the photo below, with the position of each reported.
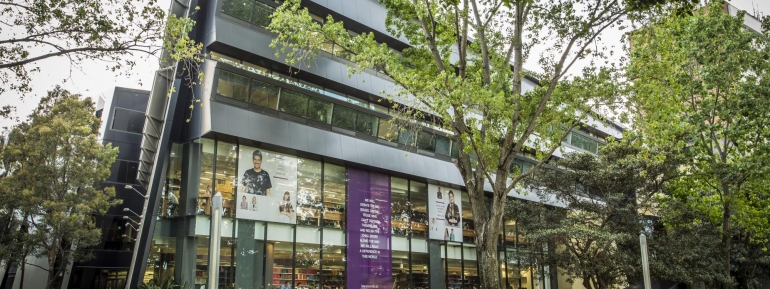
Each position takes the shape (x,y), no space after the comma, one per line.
(319,190)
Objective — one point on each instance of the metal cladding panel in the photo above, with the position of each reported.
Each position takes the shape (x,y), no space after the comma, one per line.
(333,145)
(315,139)
(364,151)
(441,170)
(430,167)
(348,146)
(418,164)
(299,137)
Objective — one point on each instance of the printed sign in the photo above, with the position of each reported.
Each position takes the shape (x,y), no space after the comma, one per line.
(445,213)
(369,261)
(267,186)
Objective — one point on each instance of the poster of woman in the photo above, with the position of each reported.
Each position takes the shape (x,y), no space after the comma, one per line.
(267,186)
(445,212)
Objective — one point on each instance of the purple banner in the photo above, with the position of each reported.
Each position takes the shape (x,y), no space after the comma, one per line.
(369,263)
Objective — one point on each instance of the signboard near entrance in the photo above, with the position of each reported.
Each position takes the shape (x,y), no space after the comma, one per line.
(369,261)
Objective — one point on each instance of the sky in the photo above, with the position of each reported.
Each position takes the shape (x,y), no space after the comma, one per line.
(93,79)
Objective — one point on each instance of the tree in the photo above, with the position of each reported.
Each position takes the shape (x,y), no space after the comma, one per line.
(606,202)
(464,71)
(704,79)
(55,165)
(80,30)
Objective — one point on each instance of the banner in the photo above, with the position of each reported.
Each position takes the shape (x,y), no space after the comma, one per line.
(445,213)
(369,261)
(267,186)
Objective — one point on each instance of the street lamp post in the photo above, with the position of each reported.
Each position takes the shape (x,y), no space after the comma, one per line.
(132,266)
(645,261)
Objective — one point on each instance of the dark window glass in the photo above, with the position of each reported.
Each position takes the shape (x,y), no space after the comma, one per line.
(240,9)
(264,94)
(293,102)
(584,143)
(455,151)
(443,145)
(344,117)
(425,141)
(261,14)
(522,166)
(131,170)
(319,110)
(387,130)
(232,85)
(406,136)
(366,123)
(122,172)
(121,119)
(137,122)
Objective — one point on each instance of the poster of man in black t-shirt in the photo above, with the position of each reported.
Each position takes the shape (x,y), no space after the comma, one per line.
(256,181)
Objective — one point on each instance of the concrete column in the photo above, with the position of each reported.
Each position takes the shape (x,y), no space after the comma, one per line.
(436,265)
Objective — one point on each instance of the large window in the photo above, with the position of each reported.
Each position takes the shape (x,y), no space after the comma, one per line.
(419,202)
(309,204)
(469,235)
(127,171)
(250,11)
(224,177)
(128,120)
(399,206)
(583,142)
(233,85)
(264,94)
(206,165)
(335,181)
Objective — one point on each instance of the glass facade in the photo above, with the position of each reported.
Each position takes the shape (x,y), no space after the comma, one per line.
(313,251)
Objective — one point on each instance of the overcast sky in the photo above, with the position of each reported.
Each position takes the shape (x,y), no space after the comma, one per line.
(94,80)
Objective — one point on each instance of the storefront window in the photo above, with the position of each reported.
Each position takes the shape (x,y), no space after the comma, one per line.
(307,266)
(419,201)
(309,192)
(227,156)
(160,262)
(454,271)
(469,235)
(510,233)
(206,165)
(174,176)
(283,259)
(420,277)
(335,181)
(470,268)
(399,206)
(400,269)
(333,273)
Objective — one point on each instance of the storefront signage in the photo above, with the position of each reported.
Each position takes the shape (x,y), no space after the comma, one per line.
(267,186)
(369,261)
(445,213)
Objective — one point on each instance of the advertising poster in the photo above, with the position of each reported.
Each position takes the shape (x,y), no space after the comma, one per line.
(267,186)
(369,261)
(445,213)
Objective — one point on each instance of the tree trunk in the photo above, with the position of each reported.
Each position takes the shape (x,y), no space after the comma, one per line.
(726,240)
(488,222)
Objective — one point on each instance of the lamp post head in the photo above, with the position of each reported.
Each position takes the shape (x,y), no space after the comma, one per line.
(126,209)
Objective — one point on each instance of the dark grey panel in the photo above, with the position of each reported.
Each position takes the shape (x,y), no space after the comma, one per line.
(333,145)
(124,99)
(298,136)
(277,131)
(219,115)
(348,146)
(237,120)
(364,151)
(315,139)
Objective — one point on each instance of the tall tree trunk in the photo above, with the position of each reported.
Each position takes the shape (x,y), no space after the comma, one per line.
(726,239)
(487,227)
